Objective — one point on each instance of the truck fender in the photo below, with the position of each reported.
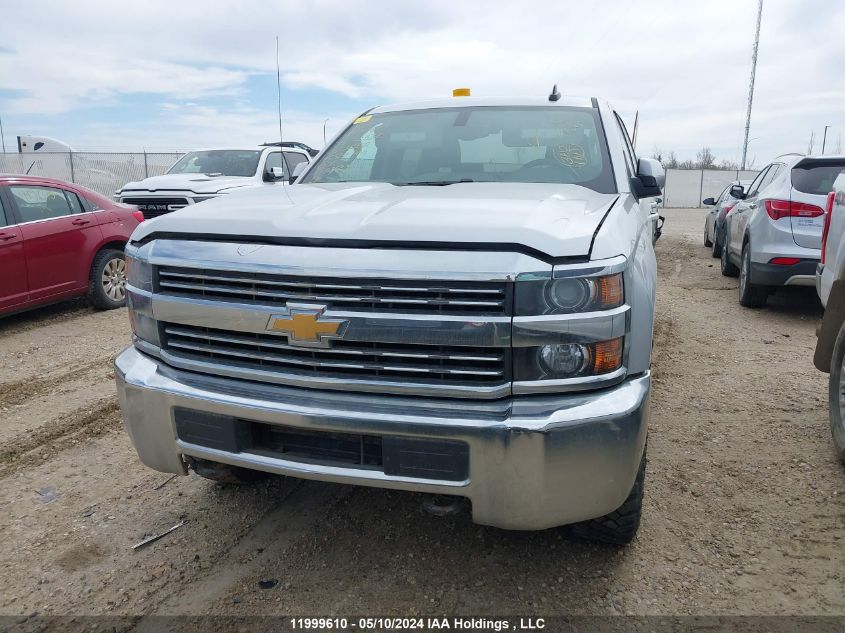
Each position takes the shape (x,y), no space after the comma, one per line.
(834,317)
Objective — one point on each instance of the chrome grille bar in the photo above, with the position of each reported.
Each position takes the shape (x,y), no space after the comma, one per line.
(452,298)
(430,363)
(210,335)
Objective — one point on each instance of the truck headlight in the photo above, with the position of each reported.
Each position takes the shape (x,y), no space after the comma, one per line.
(139,273)
(567,360)
(569,294)
(139,277)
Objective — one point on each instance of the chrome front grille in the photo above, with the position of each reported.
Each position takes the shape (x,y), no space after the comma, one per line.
(262,353)
(154,207)
(360,295)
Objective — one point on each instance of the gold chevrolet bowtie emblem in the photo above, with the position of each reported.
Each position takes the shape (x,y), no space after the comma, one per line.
(304,325)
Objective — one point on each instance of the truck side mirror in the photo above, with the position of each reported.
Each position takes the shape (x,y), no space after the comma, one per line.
(738,192)
(297,170)
(273,174)
(649,180)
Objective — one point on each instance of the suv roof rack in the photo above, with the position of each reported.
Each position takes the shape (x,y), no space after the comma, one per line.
(303,146)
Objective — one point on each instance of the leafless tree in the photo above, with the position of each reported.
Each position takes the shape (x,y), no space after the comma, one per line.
(811,143)
(657,154)
(705,158)
(671,161)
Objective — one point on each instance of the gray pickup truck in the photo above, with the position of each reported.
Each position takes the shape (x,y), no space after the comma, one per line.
(456,297)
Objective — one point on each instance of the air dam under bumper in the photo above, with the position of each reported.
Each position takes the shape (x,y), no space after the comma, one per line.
(534,462)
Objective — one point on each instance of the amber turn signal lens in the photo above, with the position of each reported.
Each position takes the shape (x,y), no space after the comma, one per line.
(607,356)
(610,291)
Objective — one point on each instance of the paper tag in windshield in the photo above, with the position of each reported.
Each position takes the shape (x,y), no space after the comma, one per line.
(362,119)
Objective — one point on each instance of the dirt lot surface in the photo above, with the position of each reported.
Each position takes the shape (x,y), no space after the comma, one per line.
(744,505)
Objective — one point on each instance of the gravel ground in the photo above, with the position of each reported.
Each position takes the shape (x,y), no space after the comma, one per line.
(743,509)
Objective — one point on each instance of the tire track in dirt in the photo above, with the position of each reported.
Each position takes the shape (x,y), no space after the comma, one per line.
(290,518)
(45,442)
(45,317)
(19,391)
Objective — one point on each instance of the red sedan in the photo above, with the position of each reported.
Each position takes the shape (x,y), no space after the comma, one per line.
(58,241)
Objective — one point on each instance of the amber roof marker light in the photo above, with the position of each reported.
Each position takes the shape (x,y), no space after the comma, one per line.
(461,92)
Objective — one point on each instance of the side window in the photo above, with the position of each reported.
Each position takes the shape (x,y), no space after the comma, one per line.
(627,148)
(724,195)
(40,203)
(293,159)
(73,200)
(774,172)
(273,160)
(4,221)
(755,186)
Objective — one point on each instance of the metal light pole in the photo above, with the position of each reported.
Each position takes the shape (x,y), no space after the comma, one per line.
(751,85)
(324,132)
(824,138)
(2,136)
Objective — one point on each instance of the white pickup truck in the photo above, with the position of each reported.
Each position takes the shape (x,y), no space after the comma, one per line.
(456,297)
(204,174)
(830,285)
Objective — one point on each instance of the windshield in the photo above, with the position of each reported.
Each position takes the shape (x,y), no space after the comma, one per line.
(471,144)
(218,162)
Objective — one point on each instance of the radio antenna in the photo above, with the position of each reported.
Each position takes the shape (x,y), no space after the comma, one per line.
(279,91)
(281,137)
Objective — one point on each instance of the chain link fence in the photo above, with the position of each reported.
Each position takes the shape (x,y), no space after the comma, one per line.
(105,173)
(688,187)
(102,172)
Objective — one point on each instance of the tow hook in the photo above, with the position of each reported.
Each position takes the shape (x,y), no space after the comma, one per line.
(442,505)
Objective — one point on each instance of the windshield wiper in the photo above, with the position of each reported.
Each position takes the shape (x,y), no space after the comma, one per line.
(433,183)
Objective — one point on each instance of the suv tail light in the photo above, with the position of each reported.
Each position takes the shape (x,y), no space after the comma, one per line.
(778,209)
(138,215)
(826,229)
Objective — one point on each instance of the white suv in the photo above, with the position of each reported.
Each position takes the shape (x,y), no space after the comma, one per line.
(205,174)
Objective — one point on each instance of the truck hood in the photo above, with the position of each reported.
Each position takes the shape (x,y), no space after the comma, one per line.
(194,183)
(556,220)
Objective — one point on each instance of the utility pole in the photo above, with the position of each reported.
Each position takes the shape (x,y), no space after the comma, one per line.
(2,136)
(824,138)
(751,85)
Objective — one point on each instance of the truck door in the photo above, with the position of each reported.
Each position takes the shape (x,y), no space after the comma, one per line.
(647,206)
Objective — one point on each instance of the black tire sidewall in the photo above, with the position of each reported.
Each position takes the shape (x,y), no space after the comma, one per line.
(837,424)
(96,292)
(725,265)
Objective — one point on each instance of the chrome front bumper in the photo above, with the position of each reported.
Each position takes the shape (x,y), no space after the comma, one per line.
(534,461)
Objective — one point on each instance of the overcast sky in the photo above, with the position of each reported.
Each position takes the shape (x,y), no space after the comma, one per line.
(179,74)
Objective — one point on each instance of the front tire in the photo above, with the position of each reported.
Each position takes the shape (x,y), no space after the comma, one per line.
(717,245)
(620,526)
(836,391)
(725,265)
(707,241)
(750,295)
(107,282)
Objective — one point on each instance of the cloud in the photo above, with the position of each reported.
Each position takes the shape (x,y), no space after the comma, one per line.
(188,126)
